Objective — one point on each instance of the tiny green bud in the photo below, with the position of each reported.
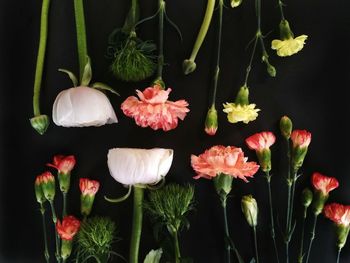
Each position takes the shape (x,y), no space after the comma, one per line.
(286,127)
(250,210)
(211,121)
(306,197)
(242,97)
(40,123)
(188,66)
(223,185)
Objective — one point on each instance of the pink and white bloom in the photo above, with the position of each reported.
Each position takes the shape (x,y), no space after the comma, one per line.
(339,214)
(301,138)
(219,159)
(88,187)
(324,183)
(261,141)
(153,109)
(63,164)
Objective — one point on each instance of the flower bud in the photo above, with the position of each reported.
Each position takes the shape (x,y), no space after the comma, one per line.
(250,210)
(39,194)
(64,166)
(88,190)
(342,235)
(286,127)
(40,123)
(211,121)
(188,66)
(285,31)
(271,70)
(306,197)
(223,185)
(235,3)
(301,140)
(242,97)
(48,186)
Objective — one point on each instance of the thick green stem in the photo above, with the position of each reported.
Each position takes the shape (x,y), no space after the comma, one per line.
(54,220)
(64,213)
(218,52)
(338,256)
(203,30)
(300,257)
(134,18)
(227,234)
(136,225)
(256,245)
(160,62)
(268,180)
(311,238)
(177,248)
(81,35)
(46,250)
(41,56)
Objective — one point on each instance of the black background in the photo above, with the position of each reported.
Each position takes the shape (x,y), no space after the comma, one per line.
(310,87)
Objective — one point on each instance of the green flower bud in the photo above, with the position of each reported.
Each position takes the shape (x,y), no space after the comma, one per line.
(342,235)
(188,66)
(223,185)
(318,202)
(250,210)
(235,3)
(39,194)
(264,157)
(66,248)
(40,123)
(285,31)
(211,121)
(48,186)
(242,97)
(306,197)
(271,70)
(286,127)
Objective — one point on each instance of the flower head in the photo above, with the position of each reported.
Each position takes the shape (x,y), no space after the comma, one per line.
(63,164)
(324,183)
(139,166)
(301,140)
(39,194)
(339,214)
(68,228)
(250,210)
(88,187)
(153,109)
(287,45)
(47,181)
(82,107)
(211,121)
(219,159)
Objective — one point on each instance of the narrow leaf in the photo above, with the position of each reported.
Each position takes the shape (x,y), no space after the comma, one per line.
(102,86)
(71,75)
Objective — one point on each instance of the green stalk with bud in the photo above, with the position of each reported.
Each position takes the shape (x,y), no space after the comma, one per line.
(306,200)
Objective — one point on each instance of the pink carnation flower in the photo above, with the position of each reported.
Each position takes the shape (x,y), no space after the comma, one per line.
(260,141)
(324,183)
(301,138)
(152,109)
(219,159)
(339,214)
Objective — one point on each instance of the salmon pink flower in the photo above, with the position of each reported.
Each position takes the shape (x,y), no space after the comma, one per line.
(153,109)
(261,142)
(68,228)
(64,166)
(300,141)
(88,190)
(219,159)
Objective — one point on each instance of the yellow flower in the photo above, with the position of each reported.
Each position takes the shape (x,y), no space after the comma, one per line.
(289,46)
(237,112)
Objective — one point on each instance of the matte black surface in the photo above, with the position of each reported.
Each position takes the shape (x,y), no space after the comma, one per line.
(311,87)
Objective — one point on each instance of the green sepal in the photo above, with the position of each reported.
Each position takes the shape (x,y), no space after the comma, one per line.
(87,74)
(71,75)
(64,181)
(66,248)
(39,194)
(223,185)
(154,256)
(298,156)
(306,197)
(131,19)
(86,203)
(318,203)
(264,157)
(49,190)
(285,31)
(159,82)
(188,66)
(242,97)
(342,235)
(102,86)
(40,123)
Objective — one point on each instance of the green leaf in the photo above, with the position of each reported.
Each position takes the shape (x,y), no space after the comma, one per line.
(102,86)
(153,256)
(71,75)
(87,74)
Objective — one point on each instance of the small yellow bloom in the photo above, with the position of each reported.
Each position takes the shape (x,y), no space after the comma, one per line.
(237,112)
(289,46)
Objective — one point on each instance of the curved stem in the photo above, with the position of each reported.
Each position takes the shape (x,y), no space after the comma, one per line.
(136,225)
(268,180)
(204,29)
(46,250)
(41,56)
(300,257)
(338,256)
(227,234)
(81,35)
(256,245)
(64,213)
(54,220)
(160,63)
(218,53)
(250,62)
(177,248)
(120,199)
(311,238)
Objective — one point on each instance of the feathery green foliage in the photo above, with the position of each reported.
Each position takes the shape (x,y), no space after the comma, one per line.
(95,239)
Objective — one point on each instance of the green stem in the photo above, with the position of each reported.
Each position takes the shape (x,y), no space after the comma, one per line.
(218,53)
(300,258)
(133,13)
(64,213)
(250,61)
(160,63)
(289,183)
(54,220)
(81,35)
(338,256)
(280,5)
(311,238)
(177,248)
(227,234)
(203,30)
(294,180)
(46,251)
(256,245)
(268,180)
(136,225)
(41,56)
